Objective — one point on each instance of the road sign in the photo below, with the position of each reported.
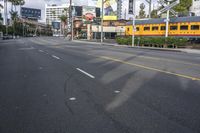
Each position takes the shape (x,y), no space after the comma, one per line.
(164,4)
(168,7)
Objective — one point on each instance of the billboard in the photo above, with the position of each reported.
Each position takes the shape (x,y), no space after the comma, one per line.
(56,25)
(89,13)
(130,7)
(30,13)
(77,11)
(110,9)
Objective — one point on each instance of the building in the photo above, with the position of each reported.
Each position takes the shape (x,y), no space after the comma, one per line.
(52,17)
(119,9)
(53,12)
(195,8)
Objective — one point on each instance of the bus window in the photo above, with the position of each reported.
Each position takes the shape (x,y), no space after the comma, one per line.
(162,28)
(173,27)
(146,28)
(194,27)
(154,28)
(137,29)
(184,27)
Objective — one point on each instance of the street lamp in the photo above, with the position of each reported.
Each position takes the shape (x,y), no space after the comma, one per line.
(133,35)
(102,11)
(5,16)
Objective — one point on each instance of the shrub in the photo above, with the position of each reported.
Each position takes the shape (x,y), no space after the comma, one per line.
(153,41)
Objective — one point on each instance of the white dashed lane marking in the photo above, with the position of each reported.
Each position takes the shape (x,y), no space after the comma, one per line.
(84,72)
(56,57)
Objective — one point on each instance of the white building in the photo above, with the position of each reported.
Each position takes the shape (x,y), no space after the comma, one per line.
(196,7)
(53,12)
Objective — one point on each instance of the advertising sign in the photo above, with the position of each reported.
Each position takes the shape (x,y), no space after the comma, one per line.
(110,9)
(89,13)
(130,7)
(30,13)
(56,25)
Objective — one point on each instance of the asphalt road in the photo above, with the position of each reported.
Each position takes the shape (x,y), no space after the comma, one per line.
(49,85)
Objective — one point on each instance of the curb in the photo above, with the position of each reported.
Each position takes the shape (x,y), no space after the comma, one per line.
(190,51)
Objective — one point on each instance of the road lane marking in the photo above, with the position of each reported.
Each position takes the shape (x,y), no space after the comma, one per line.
(163,59)
(56,57)
(31,48)
(150,68)
(84,72)
(41,51)
(72,99)
(117,92)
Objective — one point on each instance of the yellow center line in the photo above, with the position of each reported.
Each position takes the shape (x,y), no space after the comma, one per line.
(150,68)
(162,59)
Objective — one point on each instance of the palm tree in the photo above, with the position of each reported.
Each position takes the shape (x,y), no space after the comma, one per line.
(1,7)
(14,17)
(63,19)
(16,3)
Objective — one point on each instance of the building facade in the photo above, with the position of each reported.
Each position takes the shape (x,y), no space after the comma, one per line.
(52,17)
(196,7)
(53,12)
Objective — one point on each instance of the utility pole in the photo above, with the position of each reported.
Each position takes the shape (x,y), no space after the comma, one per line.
(167,21)
(150,3)
(102,14)
(71,21)
(133,35)
(6,16)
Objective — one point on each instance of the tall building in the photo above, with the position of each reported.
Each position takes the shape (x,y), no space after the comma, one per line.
(196,7)
(53,12)
(119,9)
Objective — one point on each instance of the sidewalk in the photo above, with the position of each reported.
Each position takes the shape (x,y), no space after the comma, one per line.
(191,51)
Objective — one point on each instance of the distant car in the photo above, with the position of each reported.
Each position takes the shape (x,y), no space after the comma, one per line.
(6,37)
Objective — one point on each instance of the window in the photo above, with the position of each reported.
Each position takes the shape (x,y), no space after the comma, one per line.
(162,28)
(184,27)
(146,28)
(137,29)
(173,27)
(128,29)
(154,28)
(194,27)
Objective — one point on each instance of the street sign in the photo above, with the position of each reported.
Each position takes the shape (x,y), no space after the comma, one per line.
(168,7)
(164,4)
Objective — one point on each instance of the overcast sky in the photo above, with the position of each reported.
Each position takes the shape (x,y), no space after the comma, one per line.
(40,4)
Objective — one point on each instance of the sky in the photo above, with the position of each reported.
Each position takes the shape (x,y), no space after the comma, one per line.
(40,4)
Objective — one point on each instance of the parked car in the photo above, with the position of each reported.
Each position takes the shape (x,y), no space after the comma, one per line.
(6,37)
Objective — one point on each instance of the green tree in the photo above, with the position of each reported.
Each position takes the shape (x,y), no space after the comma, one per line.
(183,6)
(154,14)
(14,18)
(142,12)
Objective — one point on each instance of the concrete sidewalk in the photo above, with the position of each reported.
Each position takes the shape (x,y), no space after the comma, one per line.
(192,51)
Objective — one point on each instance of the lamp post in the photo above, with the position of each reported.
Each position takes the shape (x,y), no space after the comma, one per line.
(6,16)
(71,20)
(102,14)
(133,35)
